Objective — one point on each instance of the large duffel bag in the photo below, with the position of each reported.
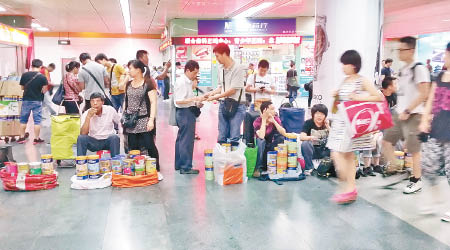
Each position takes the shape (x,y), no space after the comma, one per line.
(292,119)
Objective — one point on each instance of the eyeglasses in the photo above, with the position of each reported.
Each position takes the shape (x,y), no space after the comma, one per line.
(402,49)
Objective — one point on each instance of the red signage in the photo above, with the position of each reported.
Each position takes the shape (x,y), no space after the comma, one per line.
(264,40)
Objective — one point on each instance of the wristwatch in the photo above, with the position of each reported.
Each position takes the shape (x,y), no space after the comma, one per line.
(406,111)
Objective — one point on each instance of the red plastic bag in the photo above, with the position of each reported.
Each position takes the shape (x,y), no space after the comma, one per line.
(366,117)
(233,175)
(22,182)
(126,181)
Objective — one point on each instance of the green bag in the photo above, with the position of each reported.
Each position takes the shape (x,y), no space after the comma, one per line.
(65,132)
(251,155)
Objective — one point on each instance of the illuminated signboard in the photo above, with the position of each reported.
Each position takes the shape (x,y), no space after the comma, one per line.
(12,36)
(165,45)
(247,26)
(265,40)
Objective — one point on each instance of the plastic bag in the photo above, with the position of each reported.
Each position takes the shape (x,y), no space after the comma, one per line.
(65,132)
(251,154)
(366,117)
(231,167)
(126,181)
(26,182)
(102,182)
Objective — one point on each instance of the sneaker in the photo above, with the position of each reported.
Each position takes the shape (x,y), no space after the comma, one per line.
(36,141)
(378,169)
(308,172)
(368,172)
(413,187)
(21,140)
(160,177)
(446,217)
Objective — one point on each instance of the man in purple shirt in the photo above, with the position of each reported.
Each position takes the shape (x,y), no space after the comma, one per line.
(269,133)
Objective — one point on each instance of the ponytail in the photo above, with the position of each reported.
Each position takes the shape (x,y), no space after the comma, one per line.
(72,65)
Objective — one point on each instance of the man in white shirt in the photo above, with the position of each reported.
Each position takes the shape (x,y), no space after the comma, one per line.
(187,110)
(97,129)
(261,86)
(231,84)
(413,82)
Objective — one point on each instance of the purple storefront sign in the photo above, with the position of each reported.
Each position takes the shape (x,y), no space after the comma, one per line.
(247,27)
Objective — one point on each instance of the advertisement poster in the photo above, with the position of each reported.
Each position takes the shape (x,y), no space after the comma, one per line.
(432,47)
(203,54)
(247,26)
(306,66)
(181,54)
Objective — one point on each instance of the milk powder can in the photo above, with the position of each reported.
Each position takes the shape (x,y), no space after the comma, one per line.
(93,166)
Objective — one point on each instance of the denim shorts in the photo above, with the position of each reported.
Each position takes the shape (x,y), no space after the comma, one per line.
(27,107)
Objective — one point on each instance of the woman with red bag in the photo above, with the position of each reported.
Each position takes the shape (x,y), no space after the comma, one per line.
(354,88)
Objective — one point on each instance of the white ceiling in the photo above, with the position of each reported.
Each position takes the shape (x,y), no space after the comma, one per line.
(402,17)
(106,15)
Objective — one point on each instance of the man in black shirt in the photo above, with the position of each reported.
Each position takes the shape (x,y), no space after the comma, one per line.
(314,136)
(389,87)
(34,85)
(386,70)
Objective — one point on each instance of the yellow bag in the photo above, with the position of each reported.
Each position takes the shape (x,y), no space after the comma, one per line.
(65,132)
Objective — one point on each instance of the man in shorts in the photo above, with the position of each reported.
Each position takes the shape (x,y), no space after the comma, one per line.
(34,85)
(414,82)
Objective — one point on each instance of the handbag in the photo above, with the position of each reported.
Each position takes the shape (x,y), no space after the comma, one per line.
(230,105)
(195,110)
(130,120)
(58,98)
(107,100)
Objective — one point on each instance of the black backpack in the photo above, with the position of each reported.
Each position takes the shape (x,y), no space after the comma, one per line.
(326,168)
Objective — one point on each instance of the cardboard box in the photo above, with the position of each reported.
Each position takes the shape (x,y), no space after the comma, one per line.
(10,88)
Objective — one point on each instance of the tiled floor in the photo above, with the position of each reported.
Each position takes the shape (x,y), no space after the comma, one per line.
(187,212)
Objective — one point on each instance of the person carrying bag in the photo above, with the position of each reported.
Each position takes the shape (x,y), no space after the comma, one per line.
(107,99)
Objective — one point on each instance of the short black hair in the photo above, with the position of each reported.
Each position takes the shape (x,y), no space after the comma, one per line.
(36,63)
(263,64)
(387,81)
(292,63)
(84,56)
(191,65)
(389,60)
(52,65)
(113,60)
(448,46)
(97,95)
(222,48)
(177,64)
(319,108)
(410,41)
(140,53)
(72,65)
(265,105)
(352,57)
(100,57)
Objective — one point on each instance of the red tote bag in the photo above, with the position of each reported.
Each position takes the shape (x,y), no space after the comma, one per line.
(366,117)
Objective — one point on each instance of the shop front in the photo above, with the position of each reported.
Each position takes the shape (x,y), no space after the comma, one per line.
(250,41)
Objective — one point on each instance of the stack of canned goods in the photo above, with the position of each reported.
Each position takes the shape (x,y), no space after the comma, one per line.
(282,159)
(272,163)
(94,166)
(291,141)
(209,168)
(44,167)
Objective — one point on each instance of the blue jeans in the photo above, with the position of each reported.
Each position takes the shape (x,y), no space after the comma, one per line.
(293,93)
(117,101)
(85,142)
(310,152)
(27,107)
(184,146)
(230,129)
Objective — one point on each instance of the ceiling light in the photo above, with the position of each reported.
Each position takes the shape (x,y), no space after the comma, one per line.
(251,11)
(2,9)
(125,6)
(42,29)
(446,20)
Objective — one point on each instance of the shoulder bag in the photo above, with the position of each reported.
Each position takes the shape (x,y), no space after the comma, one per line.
(107,100)
(130,120)
(230,105)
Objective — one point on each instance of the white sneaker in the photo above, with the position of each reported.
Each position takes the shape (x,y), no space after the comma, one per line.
(160,177)
(446,217)
(308,172)
(413,187)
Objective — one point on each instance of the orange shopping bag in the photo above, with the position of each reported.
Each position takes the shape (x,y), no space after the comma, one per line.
(126,181)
